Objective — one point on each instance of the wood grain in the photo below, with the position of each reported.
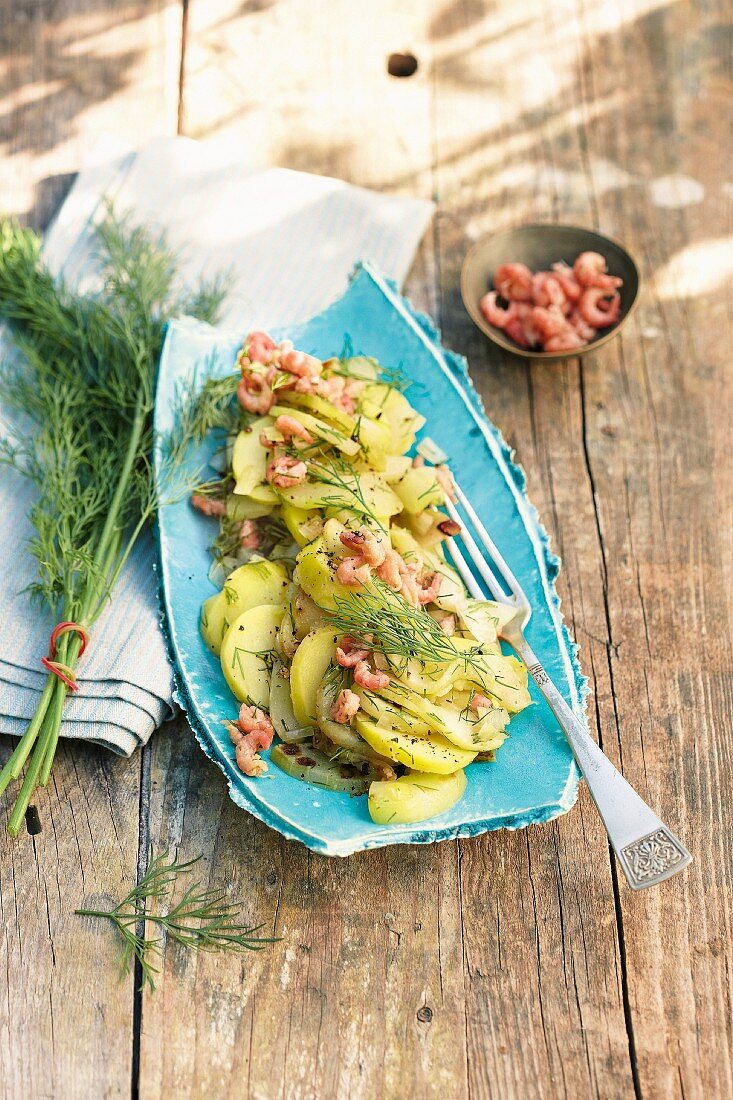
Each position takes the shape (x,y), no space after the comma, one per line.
(67,73)
(511,965)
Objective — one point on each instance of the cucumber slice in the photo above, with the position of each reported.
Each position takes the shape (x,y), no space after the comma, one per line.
(308,764)
(415,796)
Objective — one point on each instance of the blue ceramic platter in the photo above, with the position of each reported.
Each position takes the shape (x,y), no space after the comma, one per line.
(534,777)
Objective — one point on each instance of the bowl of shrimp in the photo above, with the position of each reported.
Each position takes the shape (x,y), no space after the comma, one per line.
(549,291)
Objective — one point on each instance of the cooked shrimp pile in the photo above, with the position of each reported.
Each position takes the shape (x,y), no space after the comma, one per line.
(556,310)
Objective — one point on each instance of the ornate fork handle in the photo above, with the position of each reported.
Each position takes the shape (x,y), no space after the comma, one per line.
(646,849)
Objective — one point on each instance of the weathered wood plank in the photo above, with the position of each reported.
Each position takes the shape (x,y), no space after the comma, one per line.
(74,75)
(662,473)
(544,988)
(68,72)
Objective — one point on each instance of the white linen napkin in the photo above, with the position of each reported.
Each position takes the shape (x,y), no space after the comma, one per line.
(290,240)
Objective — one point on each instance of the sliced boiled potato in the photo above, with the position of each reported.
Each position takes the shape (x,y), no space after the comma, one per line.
(433,754)
(249,457)
(294,518)
(310,664)
(396,468)
(253,584)
(213,622)
(315,572)
(415,796)
(419,489)
(245,653)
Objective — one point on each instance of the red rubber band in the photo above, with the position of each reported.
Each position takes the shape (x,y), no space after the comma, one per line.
(65,628)
(64,673)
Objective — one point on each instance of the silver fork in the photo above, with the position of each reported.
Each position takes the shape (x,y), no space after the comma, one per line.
(646,849)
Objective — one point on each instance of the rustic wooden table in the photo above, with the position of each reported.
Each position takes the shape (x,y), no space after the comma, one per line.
(513,965)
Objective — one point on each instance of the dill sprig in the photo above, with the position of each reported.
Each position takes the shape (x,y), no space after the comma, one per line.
(82,381)
(385,621)
(342,477)
(201,919)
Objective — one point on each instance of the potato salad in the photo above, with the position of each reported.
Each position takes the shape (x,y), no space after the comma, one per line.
(354,651)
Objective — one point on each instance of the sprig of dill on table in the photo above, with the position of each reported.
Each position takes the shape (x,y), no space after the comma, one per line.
(82,381)
(200,919)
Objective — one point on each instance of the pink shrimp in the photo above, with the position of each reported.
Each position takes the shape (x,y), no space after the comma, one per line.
(581,326)
(390,569)
(289,427)
(547,290)
(480,702)
(254,394)
(516,329)
(365,543)
(208,506)
(259,347)
(566,340)
(251,718)
(548,322)
(366,678)
(429,588)
(566,278)
(349,652)
(345,707)
(249,536)
(590,270)
(514,282)
(285,472)
(594,312)
(494,313)
(354,572)
(252,732)
(300,364)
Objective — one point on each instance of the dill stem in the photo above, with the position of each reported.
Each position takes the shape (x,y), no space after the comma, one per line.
(69,657)
(131,454)
(52,721)
(14,766)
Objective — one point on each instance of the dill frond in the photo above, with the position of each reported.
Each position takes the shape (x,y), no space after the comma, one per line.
(201,919)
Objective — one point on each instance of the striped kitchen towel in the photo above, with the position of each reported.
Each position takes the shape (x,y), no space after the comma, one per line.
(290,240)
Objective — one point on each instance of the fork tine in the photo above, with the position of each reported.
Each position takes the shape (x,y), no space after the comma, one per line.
(476,556)
(465,572)
(500,563)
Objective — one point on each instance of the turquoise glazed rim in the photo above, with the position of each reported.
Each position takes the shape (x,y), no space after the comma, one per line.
(534,777)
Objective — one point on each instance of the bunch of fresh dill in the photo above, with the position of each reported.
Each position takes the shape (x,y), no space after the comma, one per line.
(82,381)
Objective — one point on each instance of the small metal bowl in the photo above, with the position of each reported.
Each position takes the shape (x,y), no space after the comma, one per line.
(539,247)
